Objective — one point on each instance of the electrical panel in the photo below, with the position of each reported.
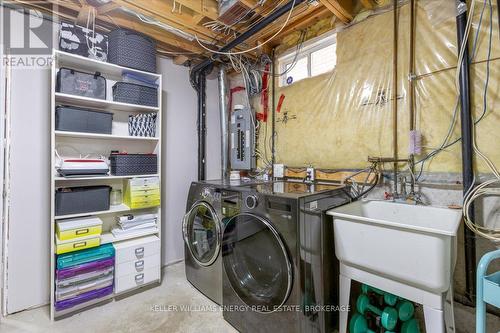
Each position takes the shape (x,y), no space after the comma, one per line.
(242,139)
(230,11)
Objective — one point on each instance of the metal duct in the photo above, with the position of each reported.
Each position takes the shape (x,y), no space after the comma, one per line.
(224,123)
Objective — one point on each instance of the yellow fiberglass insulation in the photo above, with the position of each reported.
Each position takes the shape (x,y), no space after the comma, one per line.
(338,119)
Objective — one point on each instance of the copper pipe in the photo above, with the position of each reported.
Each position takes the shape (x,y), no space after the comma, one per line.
(395,95)
(424,75)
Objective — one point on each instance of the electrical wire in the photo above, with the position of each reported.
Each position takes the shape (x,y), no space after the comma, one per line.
(474,192)
(444,145)
(253,48)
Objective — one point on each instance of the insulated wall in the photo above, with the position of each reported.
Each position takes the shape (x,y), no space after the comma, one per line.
(344,116)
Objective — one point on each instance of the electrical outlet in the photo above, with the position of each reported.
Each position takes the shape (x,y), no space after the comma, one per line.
(279,171)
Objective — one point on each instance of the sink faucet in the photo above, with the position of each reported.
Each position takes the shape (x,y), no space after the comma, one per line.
(403,195)
(402,190)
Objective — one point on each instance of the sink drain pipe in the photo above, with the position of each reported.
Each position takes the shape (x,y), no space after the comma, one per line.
(198,78)
(467,158)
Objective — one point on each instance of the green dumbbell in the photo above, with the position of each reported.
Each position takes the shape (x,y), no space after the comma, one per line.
(410,326)
(389,299)
(388,317)
(406,310)
(358,324)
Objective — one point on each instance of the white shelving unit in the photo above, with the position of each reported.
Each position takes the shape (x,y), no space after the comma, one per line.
(71,144)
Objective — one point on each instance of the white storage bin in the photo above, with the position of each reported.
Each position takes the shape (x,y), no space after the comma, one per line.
(132,281)
(137,262)
(136,249)
(137,266)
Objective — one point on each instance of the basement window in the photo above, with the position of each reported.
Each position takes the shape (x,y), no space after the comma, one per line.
(317,56)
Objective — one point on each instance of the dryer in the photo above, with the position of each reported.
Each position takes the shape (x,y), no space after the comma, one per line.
(276,264)
(209,204)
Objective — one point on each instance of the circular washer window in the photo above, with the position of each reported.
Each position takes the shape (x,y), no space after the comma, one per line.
(202,233)
(256,262)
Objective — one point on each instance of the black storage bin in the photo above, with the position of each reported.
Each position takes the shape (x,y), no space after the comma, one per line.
(133,164)
(133,93)
(73,119)
(82,41)
(132,49)
(70,81)
(76,200)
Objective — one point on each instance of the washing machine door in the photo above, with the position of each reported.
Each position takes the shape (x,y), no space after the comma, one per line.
(256,262)
(201,230)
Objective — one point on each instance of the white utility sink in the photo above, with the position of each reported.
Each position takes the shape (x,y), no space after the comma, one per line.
(404,249)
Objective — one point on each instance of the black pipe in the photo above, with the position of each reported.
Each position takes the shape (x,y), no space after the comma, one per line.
(202,125)
(498,12)
(467,157)
(197,78)
(273,110)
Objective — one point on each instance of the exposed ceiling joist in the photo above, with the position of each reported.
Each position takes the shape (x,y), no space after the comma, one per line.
(188,16)
(106,8)
(343,9)
(272,29)
(162,11)
(122,20)
(249,3)
(369,4)
(207,8)
(307,20)
(83,14)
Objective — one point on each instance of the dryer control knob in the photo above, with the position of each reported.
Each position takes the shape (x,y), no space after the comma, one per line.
(251,201)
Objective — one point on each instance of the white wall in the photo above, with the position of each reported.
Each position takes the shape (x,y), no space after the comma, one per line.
(180,150)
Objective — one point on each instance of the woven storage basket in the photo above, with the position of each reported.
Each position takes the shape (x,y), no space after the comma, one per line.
(143,124)
(132,93)
(132,49)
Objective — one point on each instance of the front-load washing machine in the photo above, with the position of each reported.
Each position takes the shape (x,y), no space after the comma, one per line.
(277,271)
(209,205)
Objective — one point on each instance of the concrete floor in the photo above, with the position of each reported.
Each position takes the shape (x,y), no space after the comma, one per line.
(135,313)
(149,311)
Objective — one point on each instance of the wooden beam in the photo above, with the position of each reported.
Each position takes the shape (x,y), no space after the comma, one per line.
(307,20)
(154,32)
(208,8)
(162,11)
(83,15)
(369,4)
(343,9)
(249,3)
(122,20)
(180,60)
(272,29)
(106,8)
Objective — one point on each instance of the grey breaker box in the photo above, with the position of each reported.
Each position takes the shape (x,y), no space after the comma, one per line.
(242,139)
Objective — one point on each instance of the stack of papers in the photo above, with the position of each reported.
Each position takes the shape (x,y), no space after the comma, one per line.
(131,224)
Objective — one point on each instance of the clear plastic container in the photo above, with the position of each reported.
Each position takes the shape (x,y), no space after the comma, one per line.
(116,197)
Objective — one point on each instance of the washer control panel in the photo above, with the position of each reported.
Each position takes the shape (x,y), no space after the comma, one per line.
(251,201)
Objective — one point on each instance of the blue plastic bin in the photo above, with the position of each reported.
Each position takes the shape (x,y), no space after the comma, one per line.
(488,289)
